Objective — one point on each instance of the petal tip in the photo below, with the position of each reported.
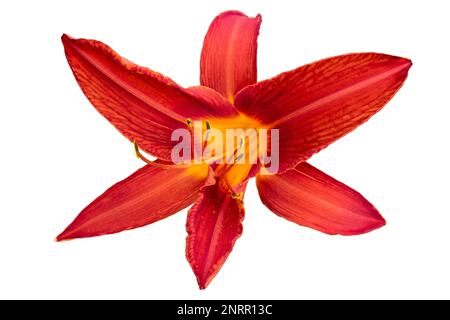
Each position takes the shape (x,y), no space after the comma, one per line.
(377,223)
(381,222)
(232,13)
(61,238)
(201,285)
(64,236)
(71,232)
(203,281)
(258,17)
(404,62)
(409,64)
(65,38)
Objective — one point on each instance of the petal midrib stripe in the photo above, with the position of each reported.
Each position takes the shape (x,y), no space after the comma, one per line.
(339,93)
(125,86)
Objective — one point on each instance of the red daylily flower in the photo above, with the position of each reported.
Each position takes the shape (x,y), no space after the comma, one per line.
(312,106)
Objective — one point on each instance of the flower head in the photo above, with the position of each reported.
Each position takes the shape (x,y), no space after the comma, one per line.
(304,109)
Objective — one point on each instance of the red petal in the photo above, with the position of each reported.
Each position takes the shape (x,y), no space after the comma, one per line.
(143,105)
(319,103)
(148,195)
(214,223)
(228,61)
(209,97)
(310,198)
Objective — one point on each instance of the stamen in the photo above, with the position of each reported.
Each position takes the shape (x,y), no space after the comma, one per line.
(233,194)
(139,155)
(208,131)
(136,151)
(239,157)
(241,142)
(237,196)
(238,150)
(237,154)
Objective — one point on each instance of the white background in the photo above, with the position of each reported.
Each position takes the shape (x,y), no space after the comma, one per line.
(58,154)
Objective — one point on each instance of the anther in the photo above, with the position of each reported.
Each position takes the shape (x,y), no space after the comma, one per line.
(208,131)
(241,142)
(189,123)
(136,150)
(239,157)
(207,134)
(237,196)
(139,154)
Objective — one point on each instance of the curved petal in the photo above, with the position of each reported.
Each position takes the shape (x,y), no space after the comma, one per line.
(317,104)
(148,195)
(214,223)
(210,97)
(143,105)
(228,60)
(310,198)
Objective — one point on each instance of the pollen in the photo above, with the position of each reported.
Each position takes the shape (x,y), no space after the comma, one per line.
(237,196)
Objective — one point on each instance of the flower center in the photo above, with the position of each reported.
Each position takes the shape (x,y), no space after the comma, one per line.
(231,147)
